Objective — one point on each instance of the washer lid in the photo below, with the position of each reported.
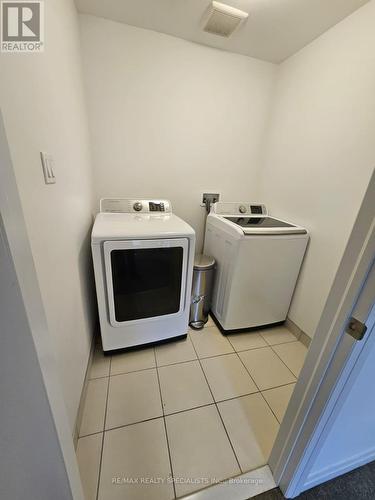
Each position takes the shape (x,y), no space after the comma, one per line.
(265,225)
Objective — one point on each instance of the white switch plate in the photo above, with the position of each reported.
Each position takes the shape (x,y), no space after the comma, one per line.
(48,168)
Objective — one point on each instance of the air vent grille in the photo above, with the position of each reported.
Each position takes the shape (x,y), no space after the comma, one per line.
(223,20)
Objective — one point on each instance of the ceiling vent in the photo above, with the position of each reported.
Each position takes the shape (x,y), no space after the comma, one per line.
(223,19)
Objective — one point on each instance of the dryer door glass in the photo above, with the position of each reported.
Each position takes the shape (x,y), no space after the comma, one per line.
(146,282)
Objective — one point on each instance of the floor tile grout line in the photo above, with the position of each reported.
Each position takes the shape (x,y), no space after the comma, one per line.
(187,409)
(165,426)
(277,343)
(212,355)
(243,364)
(105,419)
(200,406)
(228,353)
(183,411)
(281,343)
(204,328)
(159,385)
(131,423)
(267,403)
(195,359)
(178,363)
(261,346)
(279,386)
(133,371)
(98,348)
(256,385)
(296,376)
(97,378)
(217,409)
(89,434)
(273,350)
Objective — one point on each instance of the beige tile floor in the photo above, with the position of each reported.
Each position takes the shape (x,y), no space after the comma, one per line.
(162,422)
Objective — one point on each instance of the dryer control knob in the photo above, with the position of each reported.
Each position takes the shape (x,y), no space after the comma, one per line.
(242,209)
(137,206)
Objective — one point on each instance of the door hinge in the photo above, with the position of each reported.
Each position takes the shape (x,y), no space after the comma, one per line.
(356,329)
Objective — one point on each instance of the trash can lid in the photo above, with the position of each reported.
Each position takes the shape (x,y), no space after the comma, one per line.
(203,262)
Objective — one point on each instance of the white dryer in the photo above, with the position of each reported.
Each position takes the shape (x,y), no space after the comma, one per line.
(258,261)
(143,258)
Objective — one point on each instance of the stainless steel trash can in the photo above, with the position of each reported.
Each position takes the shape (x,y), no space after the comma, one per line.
(203,276)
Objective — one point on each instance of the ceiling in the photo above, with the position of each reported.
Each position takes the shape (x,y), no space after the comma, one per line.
(275,29)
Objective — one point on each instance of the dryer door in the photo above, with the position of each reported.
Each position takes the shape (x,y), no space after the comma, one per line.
(145,278)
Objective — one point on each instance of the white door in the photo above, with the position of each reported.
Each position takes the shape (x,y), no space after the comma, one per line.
(145,279)
(331,360)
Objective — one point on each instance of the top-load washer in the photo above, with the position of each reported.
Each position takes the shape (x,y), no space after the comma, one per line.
(258,261)
(143,258)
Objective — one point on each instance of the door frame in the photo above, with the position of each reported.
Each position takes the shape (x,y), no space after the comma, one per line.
(330,359)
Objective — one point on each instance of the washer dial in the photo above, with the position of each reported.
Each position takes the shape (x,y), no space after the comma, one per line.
(137,206)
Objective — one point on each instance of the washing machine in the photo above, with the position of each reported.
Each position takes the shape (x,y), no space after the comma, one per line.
(143,257)
(258,261)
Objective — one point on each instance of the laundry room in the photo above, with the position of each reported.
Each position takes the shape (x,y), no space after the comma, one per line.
(188,181)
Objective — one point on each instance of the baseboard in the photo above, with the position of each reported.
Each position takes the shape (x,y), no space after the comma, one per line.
(335,470)
(297,332)
(78,420)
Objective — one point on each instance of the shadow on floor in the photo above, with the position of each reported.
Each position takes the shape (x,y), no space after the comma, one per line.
(358,484)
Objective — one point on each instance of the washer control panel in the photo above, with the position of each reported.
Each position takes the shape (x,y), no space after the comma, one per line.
(124,205)
(238,208)
(154,206)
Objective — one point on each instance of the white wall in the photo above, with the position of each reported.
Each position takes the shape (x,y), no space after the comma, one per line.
(27,427)
(33,413)
(42,100)
(320,152)
(170,118)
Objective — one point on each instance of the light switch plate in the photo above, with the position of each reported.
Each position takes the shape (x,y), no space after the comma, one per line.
(48,168)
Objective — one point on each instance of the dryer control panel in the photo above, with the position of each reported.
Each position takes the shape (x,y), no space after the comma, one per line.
(238,208)
(125,205)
